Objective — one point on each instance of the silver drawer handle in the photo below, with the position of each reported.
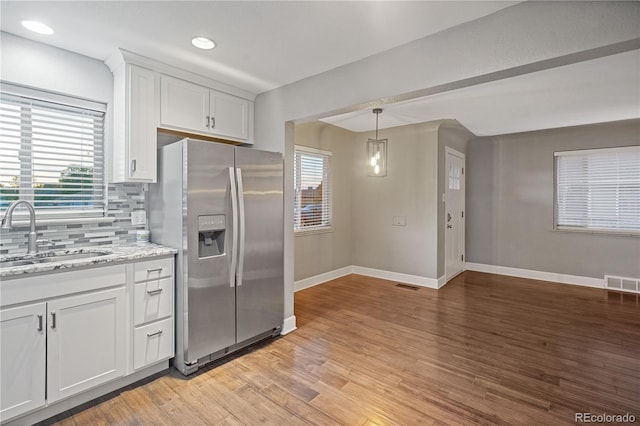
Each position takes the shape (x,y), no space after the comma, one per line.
(154,292)
(157,333)
(154,270)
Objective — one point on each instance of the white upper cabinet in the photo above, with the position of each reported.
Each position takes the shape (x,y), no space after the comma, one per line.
(229,116)
(149,95)
(135,122)
(142,136)
(194,108)
(183,105)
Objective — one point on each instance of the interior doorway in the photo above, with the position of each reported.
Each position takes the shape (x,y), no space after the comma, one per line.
(454,211)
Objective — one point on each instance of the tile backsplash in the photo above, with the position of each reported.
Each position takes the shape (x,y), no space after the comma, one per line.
(122,200)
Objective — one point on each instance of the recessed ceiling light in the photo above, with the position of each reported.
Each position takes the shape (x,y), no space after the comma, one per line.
(203,43)
(37,27)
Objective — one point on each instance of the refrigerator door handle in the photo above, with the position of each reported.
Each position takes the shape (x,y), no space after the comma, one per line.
(241,222)
(234,234)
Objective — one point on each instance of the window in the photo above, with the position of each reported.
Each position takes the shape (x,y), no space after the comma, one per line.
(312,202)
(598,189)
(51,153)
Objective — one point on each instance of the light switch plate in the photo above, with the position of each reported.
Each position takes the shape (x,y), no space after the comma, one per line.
(138,218)
(399,221)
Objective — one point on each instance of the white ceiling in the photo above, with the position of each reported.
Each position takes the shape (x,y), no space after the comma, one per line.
(595,91)
(267,44)
(261,45)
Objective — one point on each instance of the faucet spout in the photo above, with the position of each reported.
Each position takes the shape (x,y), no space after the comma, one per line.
(7,223)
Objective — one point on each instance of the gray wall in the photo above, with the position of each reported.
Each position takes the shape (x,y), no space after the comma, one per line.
(327,251)
(510,191)
(410,190)
(527,37)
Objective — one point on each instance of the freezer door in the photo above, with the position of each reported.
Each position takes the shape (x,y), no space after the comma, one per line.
(210,316)
(260,283)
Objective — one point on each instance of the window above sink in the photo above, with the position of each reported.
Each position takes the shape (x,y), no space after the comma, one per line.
(52,150)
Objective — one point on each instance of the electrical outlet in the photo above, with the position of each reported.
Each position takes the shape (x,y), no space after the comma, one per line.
(399,221)
(138,218)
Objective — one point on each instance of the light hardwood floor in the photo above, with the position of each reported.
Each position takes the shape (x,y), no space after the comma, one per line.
(485,349)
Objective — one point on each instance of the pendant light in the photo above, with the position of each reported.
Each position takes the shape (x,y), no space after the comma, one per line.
(377,152)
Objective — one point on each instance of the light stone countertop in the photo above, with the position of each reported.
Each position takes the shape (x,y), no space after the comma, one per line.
(114,254)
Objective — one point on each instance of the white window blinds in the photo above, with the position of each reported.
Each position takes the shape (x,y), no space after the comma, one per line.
(598,189)
(51,154)
(312,203)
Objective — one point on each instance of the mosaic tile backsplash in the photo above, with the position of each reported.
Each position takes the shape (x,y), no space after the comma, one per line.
(122,200)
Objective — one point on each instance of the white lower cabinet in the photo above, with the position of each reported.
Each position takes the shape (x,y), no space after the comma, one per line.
(152,343)
(86,342)
(76,343)
(153,305)
(22,359)
(64,334)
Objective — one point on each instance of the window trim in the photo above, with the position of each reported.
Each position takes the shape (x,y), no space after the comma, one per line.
(314,229)
(586,230)
(53,216)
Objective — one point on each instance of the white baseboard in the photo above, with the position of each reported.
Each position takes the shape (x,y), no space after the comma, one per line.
(396,276)
(288,325)
(536,275)
(369,272)
(442,281)
(322,278)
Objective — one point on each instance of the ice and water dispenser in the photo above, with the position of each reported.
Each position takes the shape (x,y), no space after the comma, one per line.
(211,230)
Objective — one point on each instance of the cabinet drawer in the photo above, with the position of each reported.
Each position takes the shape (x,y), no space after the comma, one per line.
(152,300)
(152,343)
(153,269)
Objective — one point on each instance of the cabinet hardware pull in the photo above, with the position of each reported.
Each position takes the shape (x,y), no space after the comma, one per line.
(154,292)
(157,333)
(153,270)
(207,121)
(133,166)
(213,122)
(39,322)
(53,320)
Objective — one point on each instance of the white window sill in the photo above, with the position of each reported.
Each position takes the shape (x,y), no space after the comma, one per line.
(604,232)
(24,223)
(313,230)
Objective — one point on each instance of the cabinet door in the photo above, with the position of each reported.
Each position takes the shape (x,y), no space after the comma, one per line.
(183,105)
(230,116)
(22,360)
(142,123)
(86,342)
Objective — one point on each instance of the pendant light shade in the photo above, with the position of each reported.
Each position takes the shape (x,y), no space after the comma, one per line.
(377,153)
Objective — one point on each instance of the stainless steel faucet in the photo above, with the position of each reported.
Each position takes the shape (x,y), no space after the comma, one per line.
(32,246)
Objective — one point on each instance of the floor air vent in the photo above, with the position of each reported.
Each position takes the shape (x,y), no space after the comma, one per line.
(408,287)
(631,285)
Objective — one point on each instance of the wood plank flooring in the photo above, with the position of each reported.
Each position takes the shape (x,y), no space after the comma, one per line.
(485,349)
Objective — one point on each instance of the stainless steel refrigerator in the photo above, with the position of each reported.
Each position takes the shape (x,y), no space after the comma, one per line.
(222,207)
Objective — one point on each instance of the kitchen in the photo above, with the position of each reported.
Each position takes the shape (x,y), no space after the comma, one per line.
(269,118)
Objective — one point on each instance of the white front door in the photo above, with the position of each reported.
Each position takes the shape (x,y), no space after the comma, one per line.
(454,213)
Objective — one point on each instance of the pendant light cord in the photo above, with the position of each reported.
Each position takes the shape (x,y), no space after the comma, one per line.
(377,112)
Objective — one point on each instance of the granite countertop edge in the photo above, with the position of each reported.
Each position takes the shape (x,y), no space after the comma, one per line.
(115,254)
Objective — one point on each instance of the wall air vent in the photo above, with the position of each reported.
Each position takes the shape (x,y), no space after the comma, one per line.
(631,285)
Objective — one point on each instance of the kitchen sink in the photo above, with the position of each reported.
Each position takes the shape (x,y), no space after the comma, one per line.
(62,257)
(48,257)
(12,263)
